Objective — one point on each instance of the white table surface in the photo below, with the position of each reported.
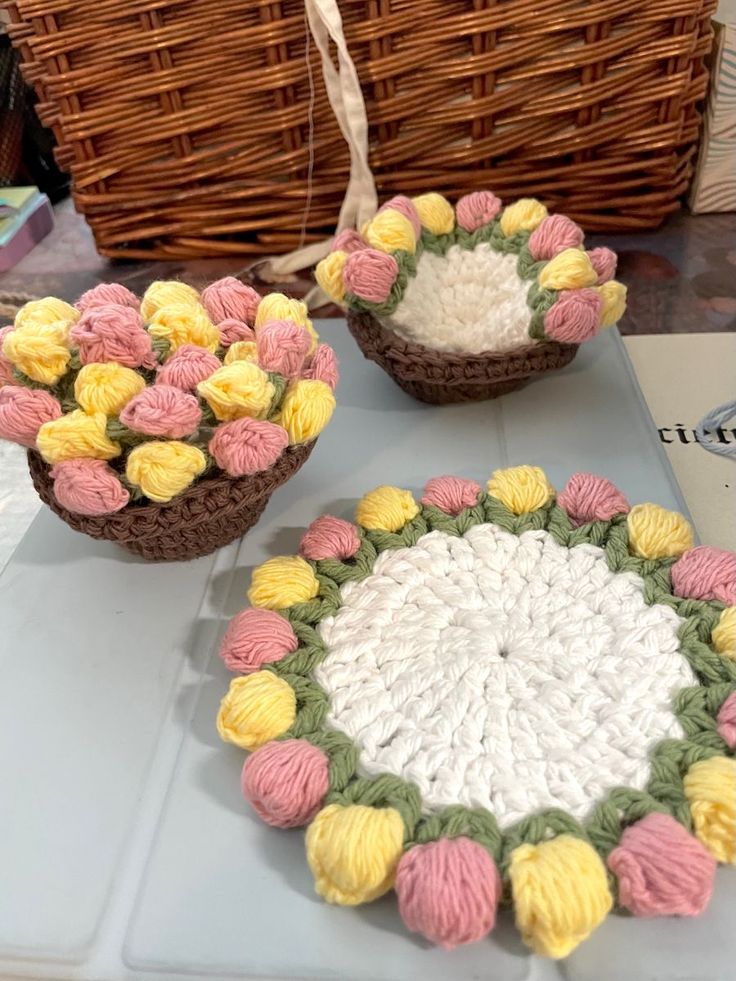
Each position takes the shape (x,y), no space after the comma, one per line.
(126,850)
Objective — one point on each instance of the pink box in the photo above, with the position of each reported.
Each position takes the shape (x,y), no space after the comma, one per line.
(34,226)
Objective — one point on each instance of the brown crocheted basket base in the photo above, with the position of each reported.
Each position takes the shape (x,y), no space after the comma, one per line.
(210,514)
(440,378)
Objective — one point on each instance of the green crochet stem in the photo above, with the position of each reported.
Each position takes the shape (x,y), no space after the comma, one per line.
(279,384)
(459,821)
(538,299)
(161,347)
(384,791)
(696,707)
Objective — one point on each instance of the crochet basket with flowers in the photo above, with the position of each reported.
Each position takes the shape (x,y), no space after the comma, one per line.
(472,302)
(165,423)
(491,696)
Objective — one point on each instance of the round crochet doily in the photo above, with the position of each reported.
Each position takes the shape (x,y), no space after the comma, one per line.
(499,695)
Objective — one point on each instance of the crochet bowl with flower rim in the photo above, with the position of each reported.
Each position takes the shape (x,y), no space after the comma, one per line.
(499,695)
(164,424)
(471,303)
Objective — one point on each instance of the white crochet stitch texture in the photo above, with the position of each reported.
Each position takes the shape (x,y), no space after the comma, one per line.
(465,301)
(503,671)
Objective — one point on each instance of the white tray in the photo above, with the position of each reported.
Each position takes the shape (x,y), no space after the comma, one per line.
(126,850)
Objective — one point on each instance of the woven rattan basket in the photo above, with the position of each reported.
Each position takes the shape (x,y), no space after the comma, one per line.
(185,125)
(210,514)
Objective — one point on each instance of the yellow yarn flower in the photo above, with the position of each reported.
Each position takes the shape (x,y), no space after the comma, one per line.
(238,389)
(242,351)
(523,215)
(184,325)
(560,893)
(329,275)
(435,213)
(710,788)
(167,293)
(390,231)
(39,350)
(76,435)
(49,310)
(656,533)
(724,634)
(305,410)
(521,489)
(613,295)
(282,582)
(106,387)
(257,708)
(163,469)
(276,306)
(353,852)
(309,327)
(569,270)
(386,509)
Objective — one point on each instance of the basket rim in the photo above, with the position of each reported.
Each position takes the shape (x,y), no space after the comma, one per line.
(136,519)
(391,344)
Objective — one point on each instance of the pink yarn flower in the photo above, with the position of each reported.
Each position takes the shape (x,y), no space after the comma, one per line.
(162,410)
(112,332)
(405,206)
(23,411)
(323,366)
(348,240)
(6,367)
(706,573)
(229,299)
(234,330)
(285,782)
(587,497)
(575,316)
(256,637)
(246,446)
(282,346)
(448,891)
(552,235)
(107,293)
(187,367)
(662,870)
(476,209)
(88,487)
(330,538)
(604,262)
(726,721)
(451,494)
(370,274)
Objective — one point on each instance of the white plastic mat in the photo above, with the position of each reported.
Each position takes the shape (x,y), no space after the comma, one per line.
(126,850)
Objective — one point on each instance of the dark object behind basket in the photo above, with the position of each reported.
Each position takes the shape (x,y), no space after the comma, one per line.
(26,147)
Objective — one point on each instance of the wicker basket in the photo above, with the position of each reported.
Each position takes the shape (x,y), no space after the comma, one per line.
(445,378)
(185,123)
(206,517)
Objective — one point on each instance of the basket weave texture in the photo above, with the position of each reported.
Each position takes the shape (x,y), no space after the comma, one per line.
(211,514)
(442,378)
(185,123)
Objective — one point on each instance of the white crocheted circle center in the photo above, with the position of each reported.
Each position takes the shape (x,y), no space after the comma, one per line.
(503,671)
(466,301)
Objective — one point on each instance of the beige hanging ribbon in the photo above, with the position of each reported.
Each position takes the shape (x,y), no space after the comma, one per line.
(346,98)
